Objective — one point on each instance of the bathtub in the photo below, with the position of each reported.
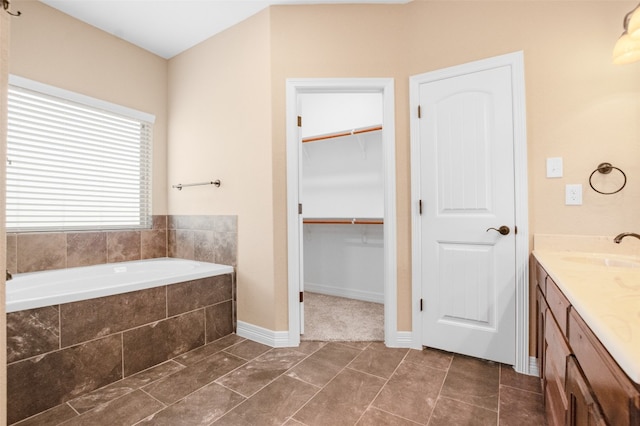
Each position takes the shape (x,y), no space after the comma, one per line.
(46,288)
(74,330)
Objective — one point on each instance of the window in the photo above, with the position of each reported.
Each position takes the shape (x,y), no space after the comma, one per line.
(74,162)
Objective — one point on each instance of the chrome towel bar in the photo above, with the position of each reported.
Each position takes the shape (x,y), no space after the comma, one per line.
(180,185)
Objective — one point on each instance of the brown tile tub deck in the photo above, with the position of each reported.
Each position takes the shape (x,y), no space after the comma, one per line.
(62,352)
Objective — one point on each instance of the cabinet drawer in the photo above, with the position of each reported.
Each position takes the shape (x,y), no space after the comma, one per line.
(558,304)
(541,277)
(617,394)
(555,371)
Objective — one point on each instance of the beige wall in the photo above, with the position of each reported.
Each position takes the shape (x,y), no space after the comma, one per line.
(220,128)
(340,41)
(579,107)
(53,48)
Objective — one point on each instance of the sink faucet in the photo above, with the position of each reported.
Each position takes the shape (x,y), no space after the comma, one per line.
(619,237)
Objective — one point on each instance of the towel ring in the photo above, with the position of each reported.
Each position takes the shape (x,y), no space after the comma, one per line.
(605,169)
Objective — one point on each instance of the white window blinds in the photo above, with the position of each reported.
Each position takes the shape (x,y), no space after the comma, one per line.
(75,166)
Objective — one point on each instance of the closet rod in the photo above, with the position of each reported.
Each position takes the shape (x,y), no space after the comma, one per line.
(343,221)
(340,134)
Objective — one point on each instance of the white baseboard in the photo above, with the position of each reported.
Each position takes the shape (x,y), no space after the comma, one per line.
(275,339)
(367,296)
(533,366)
(401,339)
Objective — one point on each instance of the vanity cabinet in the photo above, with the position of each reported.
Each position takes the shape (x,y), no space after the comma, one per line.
(618,396)
(582,383)
(541,347)
(555,371)
(583,409)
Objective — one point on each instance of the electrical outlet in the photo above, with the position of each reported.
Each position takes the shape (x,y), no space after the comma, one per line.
(573,195)
(554,167)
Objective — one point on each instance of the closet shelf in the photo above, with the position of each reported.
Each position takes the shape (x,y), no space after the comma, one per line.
(342,221)
(343,133)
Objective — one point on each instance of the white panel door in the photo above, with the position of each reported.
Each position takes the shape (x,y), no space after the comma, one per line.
(467,188)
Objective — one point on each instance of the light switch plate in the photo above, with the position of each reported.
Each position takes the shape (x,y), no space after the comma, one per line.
(554,167)
(573,195)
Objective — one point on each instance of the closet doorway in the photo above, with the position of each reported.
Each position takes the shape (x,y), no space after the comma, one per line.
(341,209)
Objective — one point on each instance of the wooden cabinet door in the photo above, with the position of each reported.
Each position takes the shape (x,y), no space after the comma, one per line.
(555,367)
(583,410)
(541,277)
(617,395)
(541,347)
(558,304)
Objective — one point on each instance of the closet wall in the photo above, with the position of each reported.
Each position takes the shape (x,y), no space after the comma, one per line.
(342,195)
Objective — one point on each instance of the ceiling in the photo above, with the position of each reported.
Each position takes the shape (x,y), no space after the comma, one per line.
(169,27)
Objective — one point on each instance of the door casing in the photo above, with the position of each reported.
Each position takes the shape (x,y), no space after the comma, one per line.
(514,60)
(294,87)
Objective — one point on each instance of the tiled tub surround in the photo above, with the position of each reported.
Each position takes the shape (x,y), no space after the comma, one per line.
(57,353)
(194,237)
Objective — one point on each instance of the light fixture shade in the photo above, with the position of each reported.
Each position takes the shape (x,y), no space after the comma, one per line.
(633,26)
(626,50)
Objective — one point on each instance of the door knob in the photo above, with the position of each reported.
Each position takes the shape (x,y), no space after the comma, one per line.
(503,230)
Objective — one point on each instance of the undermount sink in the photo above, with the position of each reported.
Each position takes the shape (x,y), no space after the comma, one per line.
(609,261)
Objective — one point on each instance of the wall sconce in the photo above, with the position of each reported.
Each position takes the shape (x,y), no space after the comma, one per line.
(627,48)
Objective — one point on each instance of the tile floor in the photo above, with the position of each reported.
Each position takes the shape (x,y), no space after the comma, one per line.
(234,381)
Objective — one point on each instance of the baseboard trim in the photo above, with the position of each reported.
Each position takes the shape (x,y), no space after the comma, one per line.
(533,367)
(366,296)
(275,339)
(401,339)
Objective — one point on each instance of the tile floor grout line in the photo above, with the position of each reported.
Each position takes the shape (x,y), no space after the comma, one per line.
(188,395)
(71,406)
(398,416)
(470,404)
(520,389)
(322,387)
(163,403)
(444,380)
(467,402)
(277,377)
(382,387)
(230,409)
(196,390)
(69,403)
(273,380)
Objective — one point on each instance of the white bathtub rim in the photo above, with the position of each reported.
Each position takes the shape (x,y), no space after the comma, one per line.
(200,270)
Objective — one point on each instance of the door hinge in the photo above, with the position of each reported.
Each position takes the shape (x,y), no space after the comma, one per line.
(299,208)
(301,296)
(420,206)
(299,121)
(419,112)
(421,305)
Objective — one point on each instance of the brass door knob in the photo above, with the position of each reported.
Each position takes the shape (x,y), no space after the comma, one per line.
(503,230)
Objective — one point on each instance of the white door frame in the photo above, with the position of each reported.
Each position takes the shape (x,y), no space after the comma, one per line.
(313,85)
(516,62)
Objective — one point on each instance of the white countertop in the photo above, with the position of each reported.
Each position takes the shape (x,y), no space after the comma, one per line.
(606,297)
